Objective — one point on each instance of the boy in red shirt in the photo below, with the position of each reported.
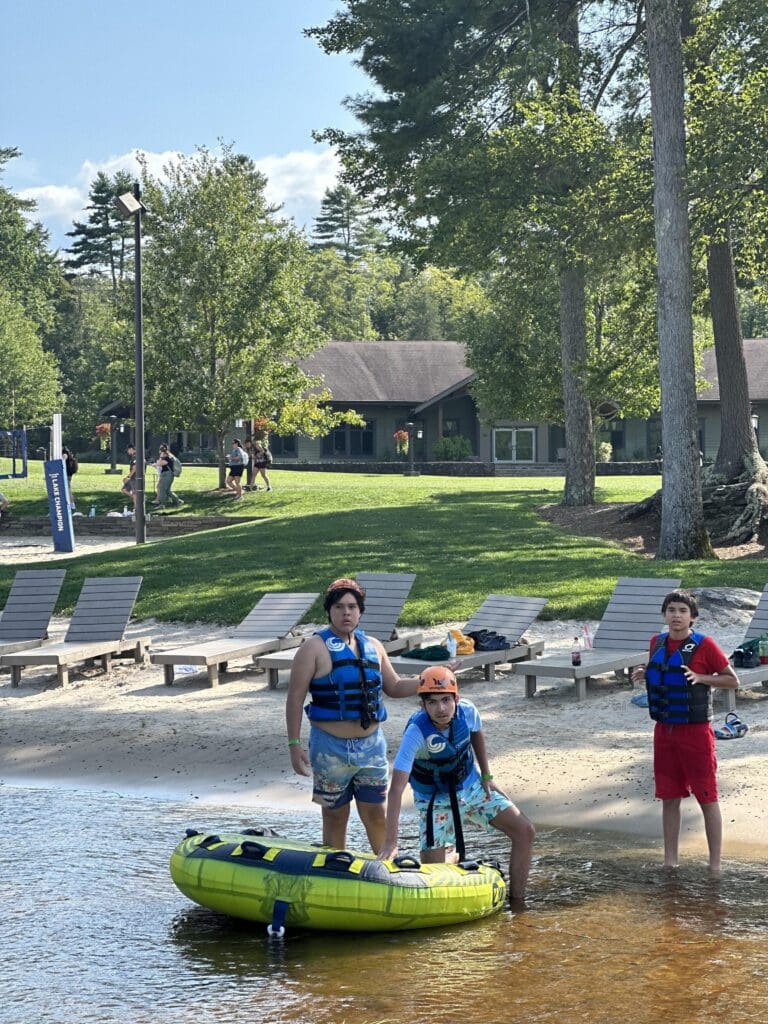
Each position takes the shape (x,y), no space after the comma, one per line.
(682,668)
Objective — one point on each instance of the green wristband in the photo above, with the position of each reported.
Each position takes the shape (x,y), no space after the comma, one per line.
(294,743)
(485,777)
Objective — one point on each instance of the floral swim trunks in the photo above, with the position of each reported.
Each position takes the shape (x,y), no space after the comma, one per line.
(347,769)
(475,806)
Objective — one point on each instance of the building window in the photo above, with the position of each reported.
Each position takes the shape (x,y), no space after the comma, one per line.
(283,447)
(451,428)
(349,441)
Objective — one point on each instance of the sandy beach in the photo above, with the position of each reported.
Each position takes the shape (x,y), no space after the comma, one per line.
(567,763)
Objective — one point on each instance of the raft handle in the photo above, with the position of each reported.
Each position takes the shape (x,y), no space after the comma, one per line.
(407,861)
(190,832)
(469,865)
(254,851)
(266,831)
(209,841)
(339,860)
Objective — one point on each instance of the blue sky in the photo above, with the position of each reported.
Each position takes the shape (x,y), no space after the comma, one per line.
(85,84)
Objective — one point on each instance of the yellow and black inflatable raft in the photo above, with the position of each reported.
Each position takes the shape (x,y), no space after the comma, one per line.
(265,877)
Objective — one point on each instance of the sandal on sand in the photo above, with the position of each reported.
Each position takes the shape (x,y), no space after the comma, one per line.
(733,729)
(640,700)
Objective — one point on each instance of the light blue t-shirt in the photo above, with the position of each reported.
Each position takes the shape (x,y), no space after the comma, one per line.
(414,745)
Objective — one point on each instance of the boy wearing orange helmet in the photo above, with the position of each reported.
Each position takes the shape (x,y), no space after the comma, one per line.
(443,756)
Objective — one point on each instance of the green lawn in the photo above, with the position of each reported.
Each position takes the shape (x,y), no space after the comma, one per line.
(464,537)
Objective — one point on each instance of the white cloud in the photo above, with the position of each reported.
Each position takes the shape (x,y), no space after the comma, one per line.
(296,181)
(57,205)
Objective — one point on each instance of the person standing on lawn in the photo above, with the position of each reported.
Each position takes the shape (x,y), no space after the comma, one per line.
(345,674)
(238,460)
(683,667)
(444,757)
(262,460)
(129,481)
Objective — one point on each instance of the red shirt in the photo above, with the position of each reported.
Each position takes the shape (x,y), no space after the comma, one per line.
(708,658)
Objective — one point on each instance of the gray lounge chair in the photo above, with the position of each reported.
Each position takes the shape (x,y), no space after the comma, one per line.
(507,614)
(621,640)
(385,595)
(28,610)
(96,630)
(268,627)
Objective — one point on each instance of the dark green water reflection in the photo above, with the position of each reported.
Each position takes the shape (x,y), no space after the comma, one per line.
(94,931)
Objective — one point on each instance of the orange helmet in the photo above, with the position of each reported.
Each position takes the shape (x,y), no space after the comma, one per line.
(438,679)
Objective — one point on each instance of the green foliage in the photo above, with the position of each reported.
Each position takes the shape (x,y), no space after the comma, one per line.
(344,295)
(95,348)
(29,382)
(452,449)
(103,245)
(603,451)
(226,311)
(346,225)
(28,270)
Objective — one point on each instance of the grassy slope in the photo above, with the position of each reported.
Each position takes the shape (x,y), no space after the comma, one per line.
(465,538)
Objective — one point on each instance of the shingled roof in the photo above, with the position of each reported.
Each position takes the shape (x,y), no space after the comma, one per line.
(395,372)
(756,357)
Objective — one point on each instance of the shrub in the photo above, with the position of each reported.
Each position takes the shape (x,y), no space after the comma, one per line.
(451,449)
(603,451)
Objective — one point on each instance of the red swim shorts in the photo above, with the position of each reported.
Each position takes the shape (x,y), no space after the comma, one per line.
(684,762)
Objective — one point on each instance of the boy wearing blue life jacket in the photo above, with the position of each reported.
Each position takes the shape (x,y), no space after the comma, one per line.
(682,668)
(443,756)
(345,674)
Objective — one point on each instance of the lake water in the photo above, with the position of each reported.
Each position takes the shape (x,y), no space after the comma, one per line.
(95,931)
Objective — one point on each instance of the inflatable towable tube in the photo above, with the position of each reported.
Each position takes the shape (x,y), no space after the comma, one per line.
(264,877)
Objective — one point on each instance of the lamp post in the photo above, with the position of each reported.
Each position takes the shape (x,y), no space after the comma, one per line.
(112,446)
(129,205)
(411,471)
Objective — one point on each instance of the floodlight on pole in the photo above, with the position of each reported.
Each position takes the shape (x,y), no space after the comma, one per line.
(129,205)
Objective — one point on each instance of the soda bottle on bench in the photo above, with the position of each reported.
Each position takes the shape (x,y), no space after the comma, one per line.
(576,651)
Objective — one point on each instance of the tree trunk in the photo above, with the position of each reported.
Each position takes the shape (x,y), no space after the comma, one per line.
(579,441)
(738,451)
(220,437)
(682,534)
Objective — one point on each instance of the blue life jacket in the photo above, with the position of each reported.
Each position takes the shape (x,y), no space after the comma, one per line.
(451,758)
(450,762)
(671,698)
(351,691)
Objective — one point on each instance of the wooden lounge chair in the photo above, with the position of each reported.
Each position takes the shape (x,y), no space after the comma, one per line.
(268,627)
(506,614)
(95,631)
(621,641)
(385,595)
(28,610)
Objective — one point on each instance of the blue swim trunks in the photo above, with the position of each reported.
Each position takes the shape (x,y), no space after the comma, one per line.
(474,805)
(344,769)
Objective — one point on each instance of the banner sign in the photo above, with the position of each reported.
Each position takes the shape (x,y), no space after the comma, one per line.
(58,505)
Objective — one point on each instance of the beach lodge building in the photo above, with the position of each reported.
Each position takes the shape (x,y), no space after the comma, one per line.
(428,384)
